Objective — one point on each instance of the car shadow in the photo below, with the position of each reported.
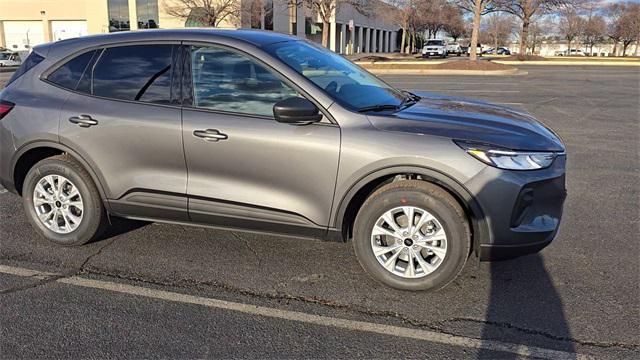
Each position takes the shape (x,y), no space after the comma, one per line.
(118,226)
(525,308)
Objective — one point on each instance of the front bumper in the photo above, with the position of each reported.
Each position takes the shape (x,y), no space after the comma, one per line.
(522,209)
(432,52)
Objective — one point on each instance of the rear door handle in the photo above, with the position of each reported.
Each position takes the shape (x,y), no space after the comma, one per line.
(212,135)
(83,120)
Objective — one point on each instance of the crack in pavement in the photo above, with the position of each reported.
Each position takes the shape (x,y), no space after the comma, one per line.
(246,243)
(47,279)
(434,326)
(506,325)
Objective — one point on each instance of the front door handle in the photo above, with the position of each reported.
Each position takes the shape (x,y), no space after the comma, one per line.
(83,120)
(210,135)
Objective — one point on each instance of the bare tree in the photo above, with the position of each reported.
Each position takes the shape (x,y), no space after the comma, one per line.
(571,25)
(526,10)
(630,24)
(403,14)
(206,12)
(434,15)
(456,25)
(477,8)
(498,29)
(594,31)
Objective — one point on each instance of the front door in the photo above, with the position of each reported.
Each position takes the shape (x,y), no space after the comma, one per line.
(244,168)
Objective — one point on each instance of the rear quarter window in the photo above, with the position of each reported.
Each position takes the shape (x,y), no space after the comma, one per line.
(69,74)
(32,60)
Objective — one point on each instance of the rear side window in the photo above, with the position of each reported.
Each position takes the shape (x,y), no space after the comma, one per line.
(32,60)
(139,73)
(69,74)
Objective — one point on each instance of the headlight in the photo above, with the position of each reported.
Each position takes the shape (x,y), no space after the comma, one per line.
(509,159)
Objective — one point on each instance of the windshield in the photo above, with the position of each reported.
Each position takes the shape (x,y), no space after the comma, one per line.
(344,81)
(4,56)
(434,43)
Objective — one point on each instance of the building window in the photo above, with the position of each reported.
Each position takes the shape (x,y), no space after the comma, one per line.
(293,18)
(118,15)
(147,11)
(268,14)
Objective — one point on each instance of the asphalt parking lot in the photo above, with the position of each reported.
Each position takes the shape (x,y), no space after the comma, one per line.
(151,290)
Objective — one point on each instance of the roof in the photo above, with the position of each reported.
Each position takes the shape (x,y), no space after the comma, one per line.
(254,37)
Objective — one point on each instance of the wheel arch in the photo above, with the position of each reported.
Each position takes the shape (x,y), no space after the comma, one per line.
(29,154)
(353,199)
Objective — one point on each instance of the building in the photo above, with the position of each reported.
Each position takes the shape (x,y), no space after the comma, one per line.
(552,47)
(27,23)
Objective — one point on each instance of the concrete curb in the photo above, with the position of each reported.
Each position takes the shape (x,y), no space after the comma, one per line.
(444,72)
(572,63)
(407,62)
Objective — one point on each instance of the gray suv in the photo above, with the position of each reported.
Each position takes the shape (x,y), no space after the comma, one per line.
(265,132)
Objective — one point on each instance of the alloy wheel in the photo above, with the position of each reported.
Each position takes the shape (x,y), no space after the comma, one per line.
(58,204)
(409,242)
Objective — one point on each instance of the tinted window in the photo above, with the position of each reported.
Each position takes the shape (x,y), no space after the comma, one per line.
(228,81)
(32,60)
(69,74)
(141,72)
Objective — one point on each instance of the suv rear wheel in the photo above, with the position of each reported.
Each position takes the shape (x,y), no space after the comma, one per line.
(412,235)
(62,202)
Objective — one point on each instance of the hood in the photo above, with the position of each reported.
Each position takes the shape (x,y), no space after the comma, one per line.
(471,120)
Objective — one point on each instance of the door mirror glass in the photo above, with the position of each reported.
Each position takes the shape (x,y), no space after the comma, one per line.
(296,111)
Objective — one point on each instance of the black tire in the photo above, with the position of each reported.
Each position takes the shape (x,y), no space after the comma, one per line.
(431,198)
(94,218)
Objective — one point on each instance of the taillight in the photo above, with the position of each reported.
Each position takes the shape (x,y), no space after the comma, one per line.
(5,108)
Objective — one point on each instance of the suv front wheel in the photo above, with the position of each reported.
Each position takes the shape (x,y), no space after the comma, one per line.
(62,202)
(412,235)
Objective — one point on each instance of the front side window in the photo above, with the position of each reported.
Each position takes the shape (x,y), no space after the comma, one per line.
(227,81)
(138,73)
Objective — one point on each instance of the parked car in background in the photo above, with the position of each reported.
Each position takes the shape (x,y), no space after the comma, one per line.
(9,58)
(478,50)
(434,47)
(454,48)
(572,52)
(501,51)
(266,132)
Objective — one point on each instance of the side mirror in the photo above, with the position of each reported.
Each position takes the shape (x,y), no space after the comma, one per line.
(296,111)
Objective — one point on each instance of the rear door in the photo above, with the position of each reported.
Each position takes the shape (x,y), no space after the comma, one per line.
(123,117)
(246,169)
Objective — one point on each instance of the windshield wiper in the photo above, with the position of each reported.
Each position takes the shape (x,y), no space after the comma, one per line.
(379,107)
